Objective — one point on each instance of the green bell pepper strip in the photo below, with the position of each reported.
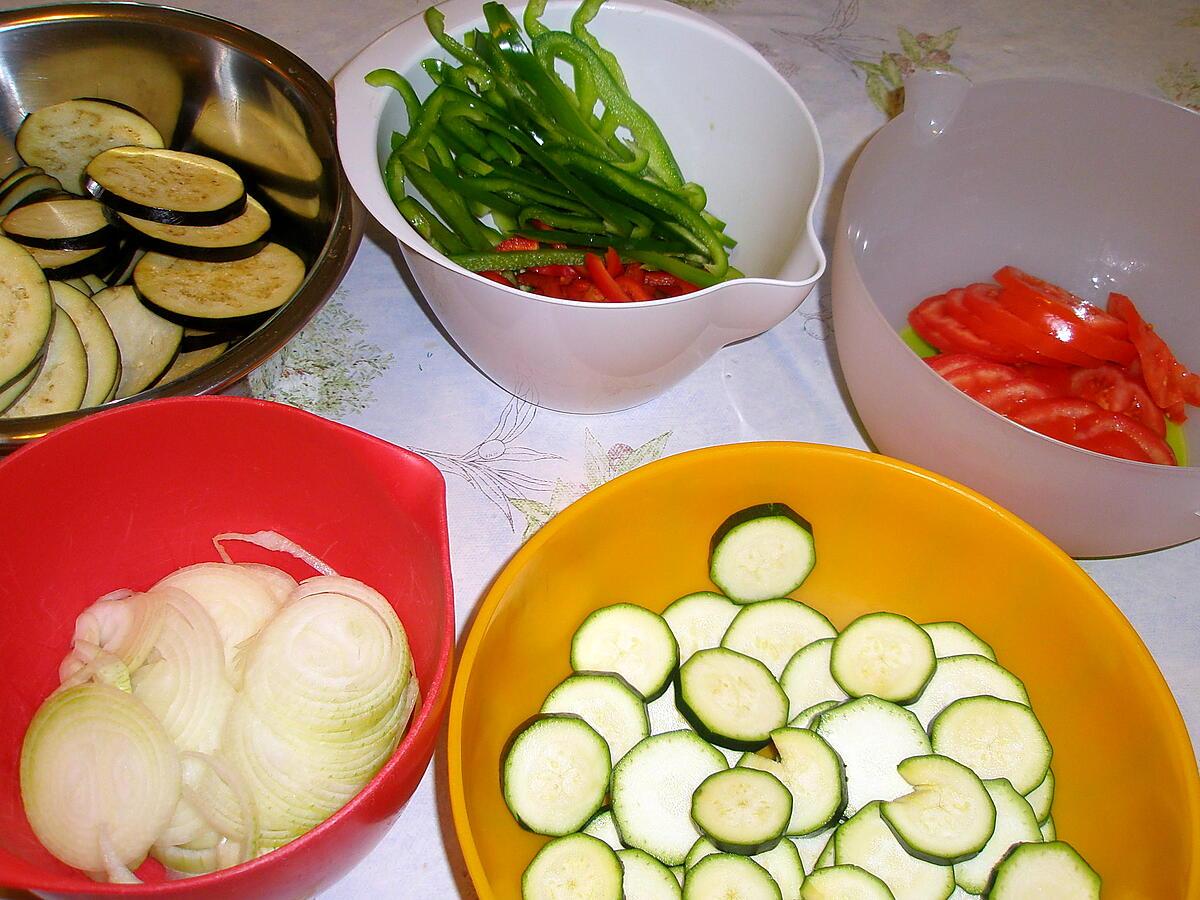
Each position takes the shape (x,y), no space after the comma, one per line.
(435,21)
(467,163)
(503,149)
(412,106)
(469,189)
(556,218)
(599,241)
(470,137)
(556,45)
(533,15)
(517,259)
(583,15)
(528,194)
(428,226)
(449,206)
(697,276)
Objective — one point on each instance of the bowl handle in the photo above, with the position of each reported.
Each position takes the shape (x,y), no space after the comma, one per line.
(932,100)
(742,310)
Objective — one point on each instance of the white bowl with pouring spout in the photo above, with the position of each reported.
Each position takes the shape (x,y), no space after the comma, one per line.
(735,126)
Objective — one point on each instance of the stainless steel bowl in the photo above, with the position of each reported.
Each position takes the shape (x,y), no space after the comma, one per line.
(208,86)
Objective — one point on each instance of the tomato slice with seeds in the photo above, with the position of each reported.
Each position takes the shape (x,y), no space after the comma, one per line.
(998,324)
(1057,321)
(1114,390)
(1164,375)
(1087,313)
(1114,434)
(1057,417)
(975,378)
(1011,395)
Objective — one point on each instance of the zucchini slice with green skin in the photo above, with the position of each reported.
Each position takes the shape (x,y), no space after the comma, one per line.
(956,639)
(995,739)
(810,846)
(883,654)
(665,716)
(577,866)
(872,737)
(813,774)
(968,675)
(556,774)
(26,311)
(731,699)
(28,189)
(630,641)
(844,883)
(806,678)
(782,862)
(210,293)
(604,701)
(729,877)
(761,553)
(826,857)
(866,841)
(742,810)
(949,816)
(1049,832)
(60,223)
(1015,823)
(167,186)
(645,878)
(1052,869)
(807,718)
(652,790)
(99,343)
(772,631)
(603,826)
(1041,798)
(62,378)
(190,361)
(64,137)
(238,238)
(148,343)
(699,621)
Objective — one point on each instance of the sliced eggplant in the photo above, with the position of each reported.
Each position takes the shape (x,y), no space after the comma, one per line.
(148,342)
(192,291)
(63,264)
(199,339)
(62,380)
(26,311)
(64,138)
(14,391)
(27,189)
(99,343)
(17,174)
(124,262)
(72,223)
(189,362)
(167,186)
(300,206)
(235,239)
(80,284)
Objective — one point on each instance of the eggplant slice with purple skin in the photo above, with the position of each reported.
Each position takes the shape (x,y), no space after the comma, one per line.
(238,238)
(166,186)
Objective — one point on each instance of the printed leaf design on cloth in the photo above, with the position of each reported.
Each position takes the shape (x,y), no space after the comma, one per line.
(835,39)
(325,368)
(706,4)
(1180,83)
(885,79)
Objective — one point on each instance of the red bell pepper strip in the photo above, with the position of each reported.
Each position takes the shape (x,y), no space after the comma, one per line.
(516,242)
(612,262)
(597,271)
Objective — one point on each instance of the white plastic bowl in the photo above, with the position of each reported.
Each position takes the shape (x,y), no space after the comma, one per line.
(1091,188)
(735,126)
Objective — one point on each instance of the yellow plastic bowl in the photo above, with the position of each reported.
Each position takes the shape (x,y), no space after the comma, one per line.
(889,537)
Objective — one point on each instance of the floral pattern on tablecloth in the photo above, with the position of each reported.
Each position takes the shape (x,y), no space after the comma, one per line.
(885,79)
(1180,81)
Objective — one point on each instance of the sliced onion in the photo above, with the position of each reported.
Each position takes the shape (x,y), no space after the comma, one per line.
(123,623)
(279,583)
(115,871)
(96,762)
(272,540)
(89,662)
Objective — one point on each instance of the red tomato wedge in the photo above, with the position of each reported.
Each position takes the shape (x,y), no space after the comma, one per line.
(1166,378)
(1119,435)
(1057,417)
(1084,312)
(999,325)
(1057,321)
(1114,390)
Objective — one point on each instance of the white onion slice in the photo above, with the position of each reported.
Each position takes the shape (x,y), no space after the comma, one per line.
(123,623)
(272,540)
(96,760)
(278,582)
(89,662)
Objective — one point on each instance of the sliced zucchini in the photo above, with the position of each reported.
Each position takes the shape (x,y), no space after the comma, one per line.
(1051,869)
(699,621)
(62,378)
(872,737)
(1015,823)
(966,676)
(844,883)
(731,699)
(665,716)
(995,738)
(772,631)
(727,876)
(883,654)
(761,553)
(807,718)
(826,858)
(866,841)
(13,392)
(646,878)
(806,678)
(28,189)
(949,815)
(575,866)
(1049,832)
(556,774)
(236,239)
(197,291)
(742,810)
(1041,798)
(65,137)
(148,342)
(810,846)
(652,790)
(603,826)
(99,344)
(60,223)
(956,639)
(813,773)
(782,862)
(167,186)
(26,311)
(188,362)
(629,641)
(606,702)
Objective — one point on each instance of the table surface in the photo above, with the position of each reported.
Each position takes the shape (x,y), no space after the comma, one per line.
(374,359)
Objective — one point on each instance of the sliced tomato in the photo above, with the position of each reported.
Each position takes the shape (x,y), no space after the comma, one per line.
(1119,435)
(1056,378)
(1057,417)
(1166,378)
(1057,321)
(944,322)
(999,326)
(1080,309)
(944,363)
(975,378)
(1112,389)
(1009,396)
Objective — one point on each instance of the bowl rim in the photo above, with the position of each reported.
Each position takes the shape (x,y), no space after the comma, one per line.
(730,454)
(433,695)
(359,155)
(322,277)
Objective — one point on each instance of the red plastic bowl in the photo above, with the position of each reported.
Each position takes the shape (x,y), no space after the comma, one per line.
(124,497)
